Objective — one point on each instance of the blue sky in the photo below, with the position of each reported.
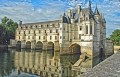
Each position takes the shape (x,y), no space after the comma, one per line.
(44,10)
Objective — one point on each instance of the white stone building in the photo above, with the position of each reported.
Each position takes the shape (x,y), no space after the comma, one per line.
(80,30)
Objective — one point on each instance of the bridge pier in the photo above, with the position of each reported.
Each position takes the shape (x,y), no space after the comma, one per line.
(33,44)
(44,45)
(23,45)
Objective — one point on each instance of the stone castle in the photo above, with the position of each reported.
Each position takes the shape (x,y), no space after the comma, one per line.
(80,30)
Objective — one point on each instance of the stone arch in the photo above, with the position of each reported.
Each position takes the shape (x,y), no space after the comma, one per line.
(50,46)
(39,45)
(28,45)
(18,45)
(75,48)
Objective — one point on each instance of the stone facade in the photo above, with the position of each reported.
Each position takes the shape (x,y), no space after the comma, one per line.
(80,30)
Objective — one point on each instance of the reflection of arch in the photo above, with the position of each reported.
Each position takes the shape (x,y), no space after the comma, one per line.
(18,45)
(75,48)
(39,45)
(28,45)
(50,46)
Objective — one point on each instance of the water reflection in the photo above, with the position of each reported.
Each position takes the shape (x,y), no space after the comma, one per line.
(41,63)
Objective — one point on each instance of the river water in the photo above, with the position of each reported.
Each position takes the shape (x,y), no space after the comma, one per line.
(30,63)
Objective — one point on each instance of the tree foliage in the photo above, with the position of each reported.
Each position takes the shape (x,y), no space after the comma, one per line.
(115,37)
(7,30)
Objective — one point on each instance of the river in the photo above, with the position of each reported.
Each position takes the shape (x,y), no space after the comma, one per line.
(30,63)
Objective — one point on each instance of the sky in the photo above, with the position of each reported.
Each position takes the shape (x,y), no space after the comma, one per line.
(30,11)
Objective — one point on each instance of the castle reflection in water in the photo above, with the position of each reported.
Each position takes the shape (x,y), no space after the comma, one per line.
(42,63)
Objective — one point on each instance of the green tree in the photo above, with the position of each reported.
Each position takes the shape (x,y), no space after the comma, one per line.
(7,30)
(115,37)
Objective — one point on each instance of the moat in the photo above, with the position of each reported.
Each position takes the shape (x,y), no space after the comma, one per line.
(29,63)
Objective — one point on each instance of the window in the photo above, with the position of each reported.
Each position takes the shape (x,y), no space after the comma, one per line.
(50,63)
(80,27)
(86,29)
(45,31)
(53,25)
(24,32)
(28,37)
(41,26)
(50,37)
(79,36)
(19,32)
(55,37)
(34,32)
(56,30)
(63,37)
(19,37)
(32,37)
(86,18)
(39,37)
(39,31)
(29,32)
(23,37)
(50,31)
(47,25)
(90,29)
(44,37)
(60,37)
(63,28)
(36,26)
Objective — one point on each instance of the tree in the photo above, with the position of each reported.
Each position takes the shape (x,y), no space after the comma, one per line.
(7,30)
(115,37)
